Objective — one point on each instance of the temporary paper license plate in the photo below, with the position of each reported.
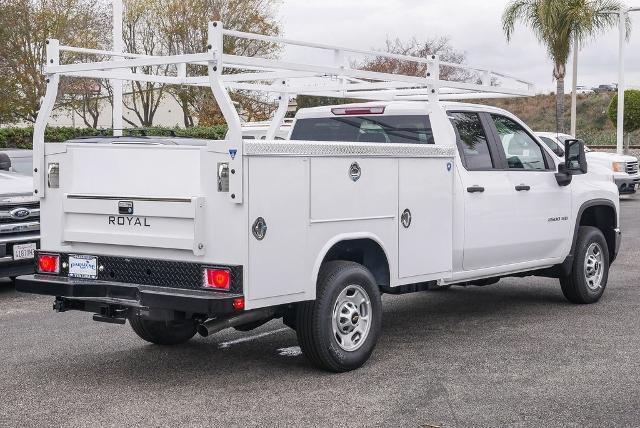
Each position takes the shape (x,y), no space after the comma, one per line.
(83,267)
(23,251)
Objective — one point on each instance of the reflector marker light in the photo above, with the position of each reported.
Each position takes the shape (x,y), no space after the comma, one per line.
(353,111)
(48,263)
(238,303)
(219,279)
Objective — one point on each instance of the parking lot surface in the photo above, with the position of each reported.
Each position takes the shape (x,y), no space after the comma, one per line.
(511,354)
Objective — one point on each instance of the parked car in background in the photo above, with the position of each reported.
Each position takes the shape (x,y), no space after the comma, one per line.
(19,221)
(583,90)
(606,88)
(21,160)
(624,167)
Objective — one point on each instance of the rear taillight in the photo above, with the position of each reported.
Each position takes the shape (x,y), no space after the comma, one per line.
(352,111)
(218,279)
(48,263)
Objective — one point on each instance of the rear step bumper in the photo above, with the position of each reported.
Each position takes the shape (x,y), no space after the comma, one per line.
(86,295)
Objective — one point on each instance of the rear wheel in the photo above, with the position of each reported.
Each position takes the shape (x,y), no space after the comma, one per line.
(163,332)
(590,271)
(339,330)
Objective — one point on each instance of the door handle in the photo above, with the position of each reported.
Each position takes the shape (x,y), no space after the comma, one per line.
(475,189)
(523,187)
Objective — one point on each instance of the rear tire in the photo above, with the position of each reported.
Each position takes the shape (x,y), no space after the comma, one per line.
(339,330)
(590,272)
(163,332)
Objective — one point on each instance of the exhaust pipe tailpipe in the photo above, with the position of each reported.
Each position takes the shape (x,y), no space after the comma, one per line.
(214,325)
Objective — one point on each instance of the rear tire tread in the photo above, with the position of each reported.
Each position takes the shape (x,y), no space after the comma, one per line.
(309,329)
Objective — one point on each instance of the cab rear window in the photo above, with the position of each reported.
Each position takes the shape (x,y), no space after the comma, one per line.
(365,129)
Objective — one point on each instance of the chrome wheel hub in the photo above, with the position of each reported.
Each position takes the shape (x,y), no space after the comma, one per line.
(351,320)
(594,266)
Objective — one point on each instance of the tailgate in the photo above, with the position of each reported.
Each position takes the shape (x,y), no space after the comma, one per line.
(143,195)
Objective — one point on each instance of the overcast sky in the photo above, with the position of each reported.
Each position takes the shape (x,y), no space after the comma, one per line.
(473,27)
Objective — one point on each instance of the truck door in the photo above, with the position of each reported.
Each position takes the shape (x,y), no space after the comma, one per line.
(489,209)
(541,222)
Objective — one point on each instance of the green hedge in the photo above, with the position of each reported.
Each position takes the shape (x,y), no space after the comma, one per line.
(23,137)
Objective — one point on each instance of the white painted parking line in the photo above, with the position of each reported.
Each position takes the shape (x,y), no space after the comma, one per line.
(224,345)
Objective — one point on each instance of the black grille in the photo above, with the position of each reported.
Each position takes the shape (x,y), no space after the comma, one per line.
(160,273)
(632,168)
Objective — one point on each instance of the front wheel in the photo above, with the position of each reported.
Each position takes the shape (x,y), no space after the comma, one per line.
(590,271)
(339,330)
(163,332)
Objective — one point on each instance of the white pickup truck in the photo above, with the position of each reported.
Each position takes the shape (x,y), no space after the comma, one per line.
(624,168)
(19,220)
(188,236)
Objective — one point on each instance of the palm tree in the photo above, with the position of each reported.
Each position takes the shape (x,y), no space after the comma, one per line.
(558,24)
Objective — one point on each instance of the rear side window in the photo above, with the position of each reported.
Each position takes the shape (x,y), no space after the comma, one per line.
(365,129)
(472,141)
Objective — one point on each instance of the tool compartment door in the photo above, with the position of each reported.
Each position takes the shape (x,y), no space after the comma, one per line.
(278,193)
(161,185)
(425,234)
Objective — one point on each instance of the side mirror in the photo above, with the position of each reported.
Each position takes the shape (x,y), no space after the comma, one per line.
(575,159)
(5,162)
(563,176)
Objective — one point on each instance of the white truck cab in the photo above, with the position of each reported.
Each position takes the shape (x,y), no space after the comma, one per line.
(388,196)
(623,167)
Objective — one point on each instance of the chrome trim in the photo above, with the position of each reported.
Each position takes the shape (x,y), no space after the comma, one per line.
(19,227)
(34,212)
(53,175)
(223,176)
(319,148)
(22,238)
(335,220)
(129,198)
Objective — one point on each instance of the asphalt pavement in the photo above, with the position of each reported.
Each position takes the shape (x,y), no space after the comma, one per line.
(511,354)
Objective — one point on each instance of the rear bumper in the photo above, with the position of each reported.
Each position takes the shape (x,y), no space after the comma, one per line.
(627,186)
(93,295)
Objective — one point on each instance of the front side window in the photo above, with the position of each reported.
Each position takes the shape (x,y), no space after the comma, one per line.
(521,150)
(472,141)
(555,147)
(365,129)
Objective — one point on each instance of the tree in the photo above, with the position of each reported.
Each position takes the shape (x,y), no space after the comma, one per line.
(83,97)
(25,25)
(557,24)
(141,36)
(440,46)
(631,111)
(183,27)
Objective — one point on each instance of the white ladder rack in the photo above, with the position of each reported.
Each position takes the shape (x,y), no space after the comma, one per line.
(337,79)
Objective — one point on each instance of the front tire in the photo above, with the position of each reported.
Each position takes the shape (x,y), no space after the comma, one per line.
(339,330)
(590,272)
(163,332)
